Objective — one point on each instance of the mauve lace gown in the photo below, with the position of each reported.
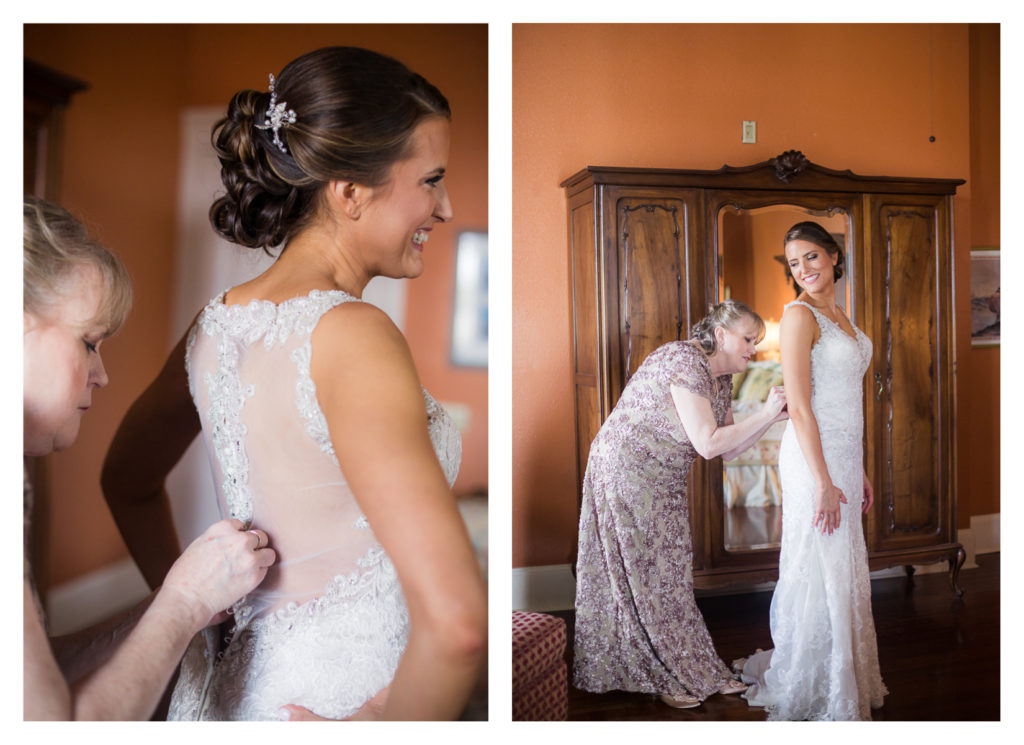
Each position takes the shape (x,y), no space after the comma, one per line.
(637,625)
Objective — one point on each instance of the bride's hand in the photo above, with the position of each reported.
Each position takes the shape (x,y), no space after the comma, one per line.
(869,494)
(826,507)
(295,713)
(371,710)
(775,403)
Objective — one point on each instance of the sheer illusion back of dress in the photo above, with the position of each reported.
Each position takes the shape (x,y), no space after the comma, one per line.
(328,624)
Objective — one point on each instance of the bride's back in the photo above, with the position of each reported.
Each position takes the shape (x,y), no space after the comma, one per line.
(268,443)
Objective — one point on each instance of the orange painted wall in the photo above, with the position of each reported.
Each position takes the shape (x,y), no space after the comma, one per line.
(120,173)
(978,427)
(849,96)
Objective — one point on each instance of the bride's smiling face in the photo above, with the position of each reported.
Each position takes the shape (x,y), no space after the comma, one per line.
(62,363)
(400,214)
(811,265)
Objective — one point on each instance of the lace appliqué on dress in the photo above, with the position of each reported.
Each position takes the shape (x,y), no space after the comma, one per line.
(375,573)
(305,400)
(325,654)
(227,430)
(444,436)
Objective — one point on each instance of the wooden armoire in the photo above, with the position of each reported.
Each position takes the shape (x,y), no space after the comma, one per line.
(646,265)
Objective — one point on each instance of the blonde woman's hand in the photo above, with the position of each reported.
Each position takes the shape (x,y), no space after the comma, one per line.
(826,507)
(218,568)
(775,403)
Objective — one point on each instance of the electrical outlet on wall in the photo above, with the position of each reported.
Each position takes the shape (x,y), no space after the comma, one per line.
(749,131)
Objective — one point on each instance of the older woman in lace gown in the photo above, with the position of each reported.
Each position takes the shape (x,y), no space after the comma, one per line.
(638,627)
(317,427)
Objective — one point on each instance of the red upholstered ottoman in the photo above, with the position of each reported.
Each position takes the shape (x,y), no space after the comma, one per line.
(540,688)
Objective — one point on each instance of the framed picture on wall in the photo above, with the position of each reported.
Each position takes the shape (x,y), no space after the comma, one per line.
(985,297)
(469,319)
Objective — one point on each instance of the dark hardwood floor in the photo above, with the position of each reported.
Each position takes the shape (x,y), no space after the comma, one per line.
(939,655)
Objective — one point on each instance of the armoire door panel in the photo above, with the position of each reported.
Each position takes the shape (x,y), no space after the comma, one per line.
(909,356)
(584,290)
(588,362)
(588,422)
(652,294)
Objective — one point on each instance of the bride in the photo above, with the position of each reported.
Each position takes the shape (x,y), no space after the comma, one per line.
(316,425)
(825,661)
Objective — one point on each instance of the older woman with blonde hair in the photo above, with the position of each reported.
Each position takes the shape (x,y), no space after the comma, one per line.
(638,627)
(77,294)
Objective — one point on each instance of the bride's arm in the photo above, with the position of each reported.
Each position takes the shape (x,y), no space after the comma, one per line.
(149,442)
(370,394)
(796,338)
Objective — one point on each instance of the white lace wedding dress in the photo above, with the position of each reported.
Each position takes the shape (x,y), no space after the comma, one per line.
(825,661)
(327,626)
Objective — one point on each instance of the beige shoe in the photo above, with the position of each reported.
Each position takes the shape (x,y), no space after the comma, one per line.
(680,702)
(733,686)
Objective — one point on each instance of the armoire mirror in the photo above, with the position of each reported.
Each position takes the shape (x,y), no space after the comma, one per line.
(752,269)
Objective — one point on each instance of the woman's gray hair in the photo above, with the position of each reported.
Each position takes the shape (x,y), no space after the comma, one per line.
(724,315)
(55,245)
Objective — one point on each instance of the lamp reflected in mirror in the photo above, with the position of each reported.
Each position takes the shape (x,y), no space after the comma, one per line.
(768,347)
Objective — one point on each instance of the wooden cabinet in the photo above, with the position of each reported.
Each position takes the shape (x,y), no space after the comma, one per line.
(47,96)
(646,263)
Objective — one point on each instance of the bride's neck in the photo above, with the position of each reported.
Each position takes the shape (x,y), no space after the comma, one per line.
(824,300)
(322,259)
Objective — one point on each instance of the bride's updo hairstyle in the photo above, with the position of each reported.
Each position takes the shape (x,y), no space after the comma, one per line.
(724,315)
(814,233)
(355,112)
(56,245)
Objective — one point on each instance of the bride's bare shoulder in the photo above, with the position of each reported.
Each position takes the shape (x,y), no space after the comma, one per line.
(360,344)
(356,323)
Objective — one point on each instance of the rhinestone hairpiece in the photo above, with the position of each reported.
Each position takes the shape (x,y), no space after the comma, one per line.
(278,115)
